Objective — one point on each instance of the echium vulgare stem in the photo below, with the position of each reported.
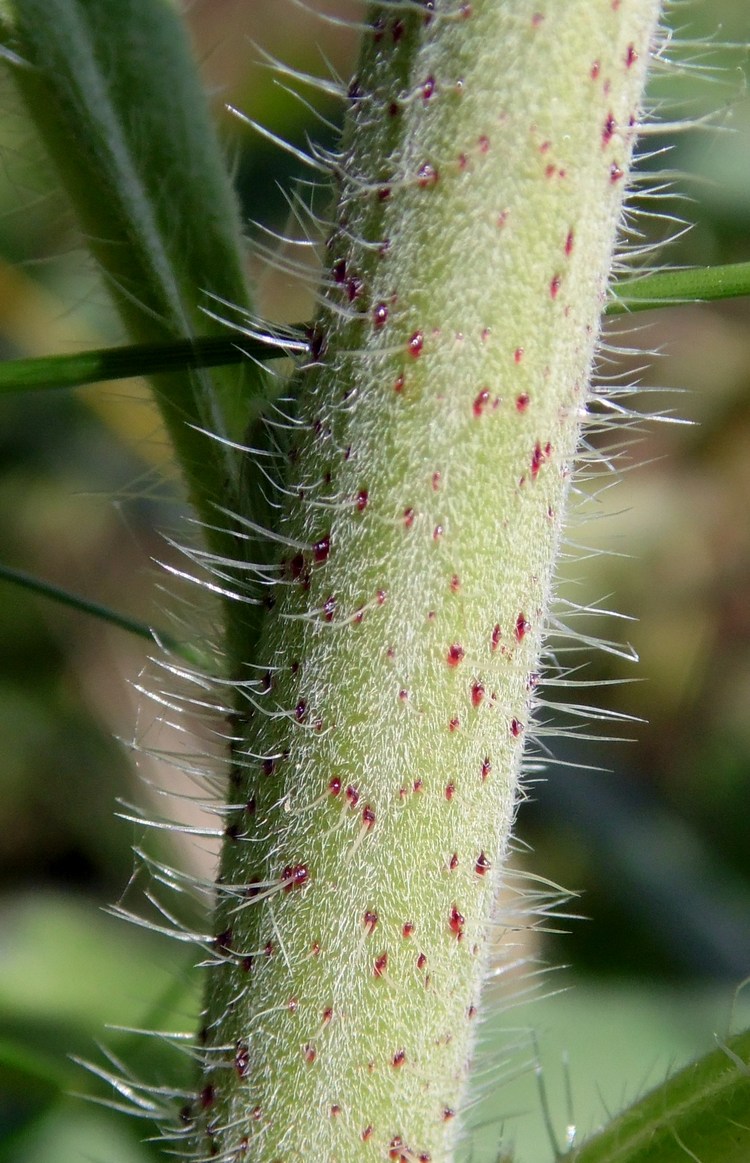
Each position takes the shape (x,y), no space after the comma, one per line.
(377,756)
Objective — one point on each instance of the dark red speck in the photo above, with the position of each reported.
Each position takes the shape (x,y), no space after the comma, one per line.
(381,964)
(437,532)
(428,88)
(454,725)
(321,549)
(448,1114)
(615,173)
(477,693)
(300,710)
(480,401)
(554,286)
(421,960)
(339,271)
(370,920)
(435,481)
(595,70)
(380,597)
(207,1097)
(327,1015)
(368,816)
(486,768)
(455,583)
(407,929)
(450,791)
(398,384)
(417,785)
(397,30)
(608,131)
(310,1054)
(384,193)
(380,315)
(318,342)
(569,240)
(453,862)
(416,343)
(334,785)
(399,1058)
(522,627)
(631,56)
(408,518)
(335,1110)
(522,402)
(366,1134)
(456,921)
(329,608)
(496,636)
(242,1059)
(427,176)
(362,499)
(223,941)
(294,876)
(455,654)
(537,459)
(483,143)
(482,865)
(352,796)
(516,728)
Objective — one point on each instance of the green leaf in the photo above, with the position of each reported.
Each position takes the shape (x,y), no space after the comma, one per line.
(676,287)
(701,1113)
(113,91)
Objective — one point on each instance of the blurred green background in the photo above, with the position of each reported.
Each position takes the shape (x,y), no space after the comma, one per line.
(656,840)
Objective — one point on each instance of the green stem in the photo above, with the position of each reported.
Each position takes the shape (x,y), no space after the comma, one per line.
(96,610)
(645,293)
(377,753)
(115,363)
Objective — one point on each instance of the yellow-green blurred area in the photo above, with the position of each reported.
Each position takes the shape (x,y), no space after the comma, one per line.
(653,833)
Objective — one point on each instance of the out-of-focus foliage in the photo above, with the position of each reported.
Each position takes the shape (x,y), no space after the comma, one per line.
(657,845)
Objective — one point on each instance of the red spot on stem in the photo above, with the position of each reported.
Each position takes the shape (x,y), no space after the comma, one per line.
(380,315)
(481,401)
(294,876)
(455,654)
(321,549)
(456,922)
(427,176)
(522,627)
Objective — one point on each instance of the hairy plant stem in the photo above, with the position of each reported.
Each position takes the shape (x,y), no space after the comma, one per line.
(376,758)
